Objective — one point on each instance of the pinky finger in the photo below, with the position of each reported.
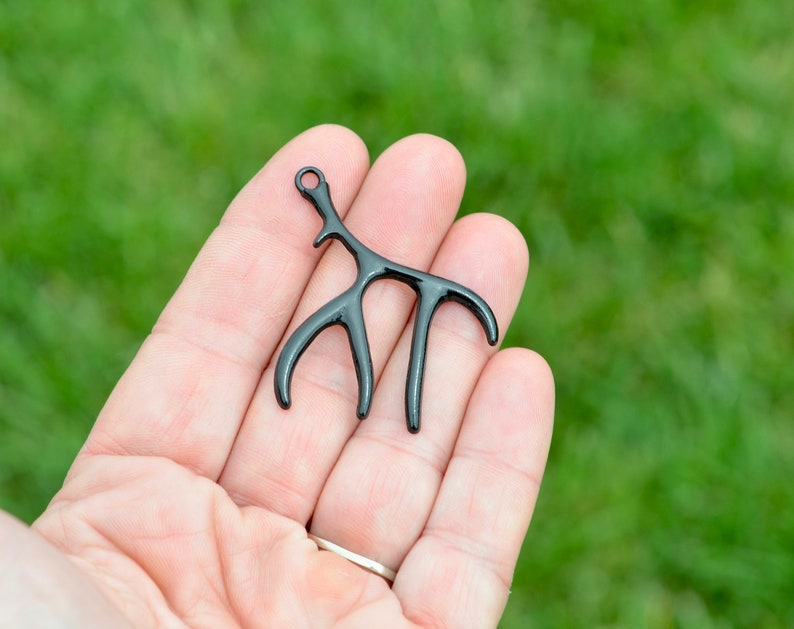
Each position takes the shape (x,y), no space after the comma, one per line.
(458,574)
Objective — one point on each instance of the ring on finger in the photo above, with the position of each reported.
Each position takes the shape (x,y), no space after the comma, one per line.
(364,562)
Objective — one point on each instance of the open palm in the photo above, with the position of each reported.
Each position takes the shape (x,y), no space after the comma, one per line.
(190,502)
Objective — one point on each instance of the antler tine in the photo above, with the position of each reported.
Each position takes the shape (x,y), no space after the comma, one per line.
(345,310)
(426,306)
(297,344)
(320,198)
(477,305)
(353,322)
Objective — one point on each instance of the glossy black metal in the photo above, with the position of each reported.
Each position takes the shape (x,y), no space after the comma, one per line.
(346,310)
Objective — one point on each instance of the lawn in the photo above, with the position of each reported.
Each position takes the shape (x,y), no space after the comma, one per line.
(645,149)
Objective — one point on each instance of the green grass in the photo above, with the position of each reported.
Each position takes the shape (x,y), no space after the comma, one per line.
(645,149)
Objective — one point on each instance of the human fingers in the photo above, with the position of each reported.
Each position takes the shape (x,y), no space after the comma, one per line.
(459,571)
(382,489)
(188,388)
(281,459)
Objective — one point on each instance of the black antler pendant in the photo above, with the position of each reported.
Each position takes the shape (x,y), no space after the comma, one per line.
(346,310)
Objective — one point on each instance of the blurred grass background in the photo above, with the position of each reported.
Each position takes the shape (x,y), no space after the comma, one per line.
(645,149)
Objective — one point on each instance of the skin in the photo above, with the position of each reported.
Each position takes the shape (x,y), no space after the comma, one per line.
(189,503)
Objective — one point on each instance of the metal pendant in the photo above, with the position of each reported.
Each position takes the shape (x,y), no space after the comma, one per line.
(346,310)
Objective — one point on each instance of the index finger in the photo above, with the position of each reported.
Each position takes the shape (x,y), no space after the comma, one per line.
(203,360)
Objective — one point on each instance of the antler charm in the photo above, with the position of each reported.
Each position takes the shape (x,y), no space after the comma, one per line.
(346,310)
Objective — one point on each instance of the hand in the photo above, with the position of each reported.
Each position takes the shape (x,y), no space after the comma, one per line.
(190,501)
